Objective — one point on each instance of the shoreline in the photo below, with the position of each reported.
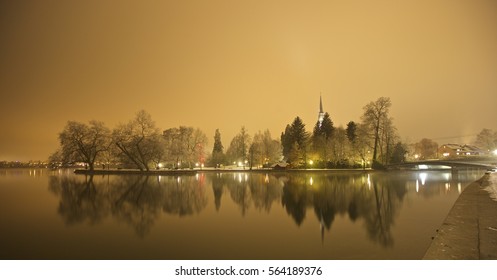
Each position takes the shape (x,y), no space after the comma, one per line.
(133,172)
(195,171)
(236,170)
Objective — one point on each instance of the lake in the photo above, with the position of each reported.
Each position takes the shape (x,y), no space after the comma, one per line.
(46,214)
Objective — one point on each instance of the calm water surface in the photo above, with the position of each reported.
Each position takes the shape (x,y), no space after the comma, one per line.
(48,214)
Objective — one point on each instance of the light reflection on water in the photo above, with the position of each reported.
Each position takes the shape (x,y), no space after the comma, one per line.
(233,215)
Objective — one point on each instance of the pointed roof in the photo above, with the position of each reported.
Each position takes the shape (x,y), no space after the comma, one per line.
(320,104)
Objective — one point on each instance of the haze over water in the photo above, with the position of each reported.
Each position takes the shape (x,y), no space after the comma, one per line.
(232,215)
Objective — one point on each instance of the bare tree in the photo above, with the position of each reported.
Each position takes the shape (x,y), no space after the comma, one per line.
(185,144)
(362,144)
(486,139)
(426,148)
(139,140)
(85,143)
(374,116)
(264,149)
(239,147)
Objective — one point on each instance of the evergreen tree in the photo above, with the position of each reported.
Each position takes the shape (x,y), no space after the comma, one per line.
(218,157)
(286,140)
(295,134)
(322,137)
(351,131)
(295,155)
(325,129)
(398,154)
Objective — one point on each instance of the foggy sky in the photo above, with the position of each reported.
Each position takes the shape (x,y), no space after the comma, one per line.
(224,64)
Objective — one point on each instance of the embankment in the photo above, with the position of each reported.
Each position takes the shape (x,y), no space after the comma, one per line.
(470,230)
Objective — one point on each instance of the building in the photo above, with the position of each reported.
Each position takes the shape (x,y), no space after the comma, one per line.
(457,150)
(321,113)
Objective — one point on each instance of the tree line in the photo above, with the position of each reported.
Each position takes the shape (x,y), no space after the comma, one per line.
(372,142)
(140,144)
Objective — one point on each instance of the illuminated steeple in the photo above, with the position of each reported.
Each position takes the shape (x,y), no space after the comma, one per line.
(321,113)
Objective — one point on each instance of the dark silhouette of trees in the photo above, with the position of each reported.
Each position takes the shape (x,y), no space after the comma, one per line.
(218,156)
(264,150)
(139,141)
(376,118)
(486,140)
(83,143)
(399,153)
(185,144)
(295,141)
(238,151)
(351,131)
(426,148)
(322,138)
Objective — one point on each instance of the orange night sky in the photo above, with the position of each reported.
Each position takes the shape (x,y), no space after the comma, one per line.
(224,64)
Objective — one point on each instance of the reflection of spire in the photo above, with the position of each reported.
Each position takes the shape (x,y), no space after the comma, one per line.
(321,113)
(322,226)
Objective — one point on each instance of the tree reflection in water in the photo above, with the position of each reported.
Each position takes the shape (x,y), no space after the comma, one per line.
(183,196)
(139,201)
(80,200)
(135,200)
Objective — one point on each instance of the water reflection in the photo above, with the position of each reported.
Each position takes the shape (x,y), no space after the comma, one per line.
(135,200)
(373,200)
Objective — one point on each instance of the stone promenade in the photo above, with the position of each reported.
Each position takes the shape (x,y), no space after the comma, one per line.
(470,230)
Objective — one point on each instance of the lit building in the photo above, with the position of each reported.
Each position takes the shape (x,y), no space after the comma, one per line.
(454,150)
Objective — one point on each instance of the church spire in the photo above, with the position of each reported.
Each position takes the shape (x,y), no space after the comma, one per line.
(320,104)
(321,113)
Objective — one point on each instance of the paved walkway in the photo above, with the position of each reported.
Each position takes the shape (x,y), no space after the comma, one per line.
(470,230)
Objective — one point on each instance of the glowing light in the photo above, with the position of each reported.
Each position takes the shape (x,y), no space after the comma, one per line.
(423,177)
(417,185)
(495,152)
(311,162)
(159,165)
(311,181)
(422,166)
(416,156)
(459,188)
(446,154)
(447,176)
